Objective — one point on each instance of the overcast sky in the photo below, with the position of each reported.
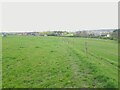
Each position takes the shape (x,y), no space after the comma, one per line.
(70,16)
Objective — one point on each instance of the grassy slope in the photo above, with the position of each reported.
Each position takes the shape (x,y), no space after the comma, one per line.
(59,62)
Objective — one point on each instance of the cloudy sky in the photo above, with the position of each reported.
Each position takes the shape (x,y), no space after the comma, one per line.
(70,16)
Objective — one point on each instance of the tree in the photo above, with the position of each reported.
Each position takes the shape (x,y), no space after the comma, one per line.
(115,34)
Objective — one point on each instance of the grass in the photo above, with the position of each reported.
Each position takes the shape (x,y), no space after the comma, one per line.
(55,62)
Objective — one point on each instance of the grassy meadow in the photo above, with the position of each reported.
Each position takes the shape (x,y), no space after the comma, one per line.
(55,62)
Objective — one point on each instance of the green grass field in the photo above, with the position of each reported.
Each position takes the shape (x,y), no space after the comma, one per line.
(55,62)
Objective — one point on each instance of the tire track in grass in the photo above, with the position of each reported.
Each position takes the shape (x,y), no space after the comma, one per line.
(75,71)
(105,60)
(84,72)
(79,71)
(75,77)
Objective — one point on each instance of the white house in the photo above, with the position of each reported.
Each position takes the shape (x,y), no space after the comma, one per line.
(108,35)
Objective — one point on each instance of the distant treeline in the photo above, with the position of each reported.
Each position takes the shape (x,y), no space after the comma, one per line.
(102,34)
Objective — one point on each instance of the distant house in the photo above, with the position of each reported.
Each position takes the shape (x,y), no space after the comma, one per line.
(45,35)
(4,34)
(19,34)
(103,35)
(108,35)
